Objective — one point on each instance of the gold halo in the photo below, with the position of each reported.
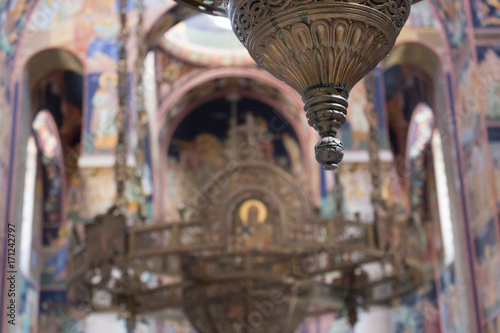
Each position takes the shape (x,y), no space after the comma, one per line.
(243,212)
(209,143)
(108,75)
(260,121)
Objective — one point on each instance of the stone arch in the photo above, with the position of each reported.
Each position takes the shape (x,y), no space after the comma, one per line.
(38,66)
(189,83)
(47,60)
(174,14)
(419,55)
(48,95)
(168,19)
(436,64)
(415,71)
(177,107)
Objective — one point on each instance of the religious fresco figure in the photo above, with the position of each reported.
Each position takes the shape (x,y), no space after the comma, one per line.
(52,311)
(356,115)
(188,159)
(487,270)
(197,155)
(209,151)
(254,231)
(16,19)
(200,156)
(480,192)
(489,80)
(105,29)
(76,198)
(293,150)
(420,17)
(105,107)
(263,138)
(487,13)
(494,101)
(47,139)
(55,255)
(66,10)
(453,13)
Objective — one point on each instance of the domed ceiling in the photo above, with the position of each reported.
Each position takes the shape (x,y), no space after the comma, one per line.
(206,40)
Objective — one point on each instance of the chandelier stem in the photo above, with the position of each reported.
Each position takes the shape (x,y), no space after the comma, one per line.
(142,117)
(326,110)
(338,196)
(122,116)
(131,323)
(373,152)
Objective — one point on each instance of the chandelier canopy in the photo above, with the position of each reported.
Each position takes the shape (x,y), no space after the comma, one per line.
(319,48)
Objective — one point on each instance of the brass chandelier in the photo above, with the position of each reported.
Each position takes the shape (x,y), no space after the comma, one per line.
(321,48)
(228,281)
(224,280)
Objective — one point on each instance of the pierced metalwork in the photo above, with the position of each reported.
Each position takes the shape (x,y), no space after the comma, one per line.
(221,273)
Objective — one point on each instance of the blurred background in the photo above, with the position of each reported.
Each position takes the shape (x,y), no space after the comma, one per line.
(220,152)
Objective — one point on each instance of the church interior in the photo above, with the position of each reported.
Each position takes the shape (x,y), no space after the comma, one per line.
(250,166)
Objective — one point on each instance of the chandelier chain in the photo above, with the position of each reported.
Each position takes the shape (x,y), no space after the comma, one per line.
(122,116)
(373,142)
(338,195)
(374,153)
(142,117)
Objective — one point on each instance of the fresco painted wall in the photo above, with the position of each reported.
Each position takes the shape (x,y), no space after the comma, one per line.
(488,264)
(12,21)
(101,134)
(453,18)
(91,34)
(354,133)
(485,15)
(489,81)
(486,22)
(472,102)
(479,192)
(494,141)
(13,17)
(477,172)
(417,313)
(214,136)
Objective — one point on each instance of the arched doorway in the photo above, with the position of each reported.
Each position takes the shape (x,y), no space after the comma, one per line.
(421,140)
(48,152)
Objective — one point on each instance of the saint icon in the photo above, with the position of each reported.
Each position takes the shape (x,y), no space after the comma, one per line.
(254,232)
